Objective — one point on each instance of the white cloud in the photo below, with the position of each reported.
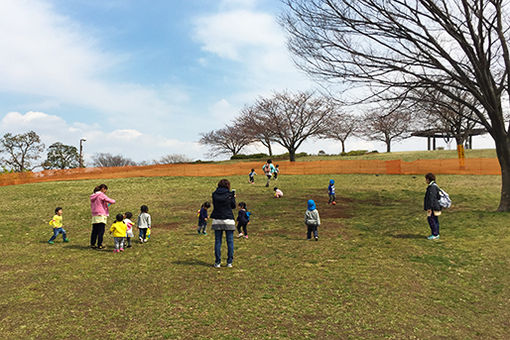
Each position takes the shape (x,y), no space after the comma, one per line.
(130,143)
(49,55)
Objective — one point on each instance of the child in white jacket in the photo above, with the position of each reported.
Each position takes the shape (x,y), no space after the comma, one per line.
(312,220)
(144,223)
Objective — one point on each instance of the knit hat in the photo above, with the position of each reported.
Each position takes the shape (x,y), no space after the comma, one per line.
(331,181)
(311,205)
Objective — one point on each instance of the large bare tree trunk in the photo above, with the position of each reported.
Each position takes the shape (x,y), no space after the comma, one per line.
(292,155)
(503,151)
(343,146)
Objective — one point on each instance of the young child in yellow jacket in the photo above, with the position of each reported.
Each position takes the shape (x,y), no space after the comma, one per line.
(119,230)
(56,222)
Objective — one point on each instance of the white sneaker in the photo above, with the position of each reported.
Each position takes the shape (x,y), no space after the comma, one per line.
(146,240)
(217,265)
(229,265)
(240,235)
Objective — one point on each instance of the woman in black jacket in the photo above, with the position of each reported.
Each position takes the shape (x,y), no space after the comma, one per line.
(224,201)
(431,205)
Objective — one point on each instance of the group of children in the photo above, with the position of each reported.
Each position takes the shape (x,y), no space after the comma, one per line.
(121,229)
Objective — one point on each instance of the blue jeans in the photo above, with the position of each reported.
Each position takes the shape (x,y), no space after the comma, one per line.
(57,231)
(218,236)
(434,224)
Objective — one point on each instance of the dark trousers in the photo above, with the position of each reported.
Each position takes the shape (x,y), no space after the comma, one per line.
(332,198)
(97,233)
(312,228)
(142,233)
(239,226)
(434,224)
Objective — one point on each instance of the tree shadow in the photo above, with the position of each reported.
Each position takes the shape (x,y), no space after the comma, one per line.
(83,247)
(415,236)
(193,262)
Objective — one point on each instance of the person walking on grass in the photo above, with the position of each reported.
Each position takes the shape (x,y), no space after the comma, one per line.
(119,230)
(58,228)
(129,224)
(252,175)
(99,204)
(432,206)
(276,172)
(268,169)
(144,223)
(242,220)
(202,218)
(312,221)
(224,201)
(331,192)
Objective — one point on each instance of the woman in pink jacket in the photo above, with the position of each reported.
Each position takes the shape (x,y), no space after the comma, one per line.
(99,203)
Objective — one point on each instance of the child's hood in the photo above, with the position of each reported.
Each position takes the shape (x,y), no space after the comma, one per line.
(311,205)
(95,196)
(331,181)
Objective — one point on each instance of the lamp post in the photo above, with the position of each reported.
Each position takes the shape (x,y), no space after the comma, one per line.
(81,151)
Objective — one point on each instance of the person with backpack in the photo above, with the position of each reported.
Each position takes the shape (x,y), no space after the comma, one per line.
(432,206)
(268,169)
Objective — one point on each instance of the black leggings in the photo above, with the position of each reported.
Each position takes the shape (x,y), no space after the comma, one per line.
(239,226)
(97,233)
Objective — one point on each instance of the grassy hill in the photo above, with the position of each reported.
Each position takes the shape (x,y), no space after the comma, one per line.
(371,275)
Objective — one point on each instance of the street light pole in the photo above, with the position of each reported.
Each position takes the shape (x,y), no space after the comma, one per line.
(81,152)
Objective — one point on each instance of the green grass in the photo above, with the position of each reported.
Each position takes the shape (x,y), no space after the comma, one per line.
(371,275)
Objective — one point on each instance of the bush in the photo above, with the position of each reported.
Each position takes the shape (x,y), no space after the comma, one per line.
(355,153)
(321,153)
(251,156)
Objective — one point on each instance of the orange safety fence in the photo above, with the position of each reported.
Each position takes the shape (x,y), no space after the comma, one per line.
(475,166)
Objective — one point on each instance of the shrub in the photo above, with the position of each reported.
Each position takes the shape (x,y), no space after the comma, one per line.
(355,153)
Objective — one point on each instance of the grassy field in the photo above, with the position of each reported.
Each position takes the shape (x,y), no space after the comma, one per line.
(371,275)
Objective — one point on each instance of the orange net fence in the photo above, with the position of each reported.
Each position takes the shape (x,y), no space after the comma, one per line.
(476,166)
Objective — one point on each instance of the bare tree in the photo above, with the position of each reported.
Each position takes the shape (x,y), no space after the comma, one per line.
(61,156)
(387,125)
(441,45)
(22,150)
(173,158)
(341,127)
(254,124)
(230,139)
(108,160)
(291,118)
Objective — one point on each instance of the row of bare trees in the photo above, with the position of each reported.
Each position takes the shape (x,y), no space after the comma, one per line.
(288,119)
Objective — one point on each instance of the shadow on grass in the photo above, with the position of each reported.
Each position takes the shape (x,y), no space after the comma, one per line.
(84,247)
(193,262)
(415,236)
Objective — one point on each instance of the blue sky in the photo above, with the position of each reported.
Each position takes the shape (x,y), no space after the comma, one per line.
(143,78)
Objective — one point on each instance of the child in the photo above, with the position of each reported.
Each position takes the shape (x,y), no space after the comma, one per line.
(119,230)
(277,193)
(144,223)
(268,169)
(202,218)
(252,175)
(312,221)
(242,220)
(129,224)
(331,192)
(276,171)
(56,222)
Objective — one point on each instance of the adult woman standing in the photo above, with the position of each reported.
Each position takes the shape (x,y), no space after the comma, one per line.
(99,203)
(224,201)
(431,205)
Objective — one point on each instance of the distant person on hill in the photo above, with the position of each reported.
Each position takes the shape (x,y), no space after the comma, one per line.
(144,223)
(129,224)
(277,193)
(276,172)
(202,218)
(224,201)
(99,204)
(119,230)
(312,221)
(252,175)
(268,169)
(431,205)
(331,192)
(58,228)
(243,219)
